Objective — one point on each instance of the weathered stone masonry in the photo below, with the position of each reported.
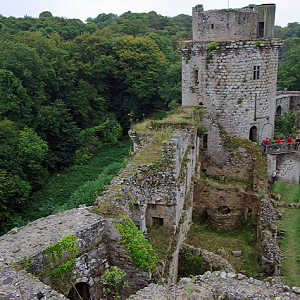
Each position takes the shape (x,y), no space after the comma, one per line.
(234,79)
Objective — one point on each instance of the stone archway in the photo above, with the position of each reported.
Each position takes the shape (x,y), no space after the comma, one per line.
(79,292)
(278,111)
(253,134)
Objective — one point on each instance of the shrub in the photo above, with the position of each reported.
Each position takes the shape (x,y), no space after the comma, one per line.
(212,46)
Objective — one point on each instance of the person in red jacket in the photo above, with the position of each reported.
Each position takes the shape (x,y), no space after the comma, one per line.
(278,143)
(289,141)
(266,143)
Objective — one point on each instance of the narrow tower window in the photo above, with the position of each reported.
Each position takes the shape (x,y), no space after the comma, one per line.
(256,74)
(195,77)
(212,26)
(261,29)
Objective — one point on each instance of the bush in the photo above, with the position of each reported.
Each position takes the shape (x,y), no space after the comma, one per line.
(212,46)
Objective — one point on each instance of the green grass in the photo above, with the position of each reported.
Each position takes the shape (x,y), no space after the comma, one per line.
(202,236)
(289,244)
(160,238)
(79,181)
(290,192)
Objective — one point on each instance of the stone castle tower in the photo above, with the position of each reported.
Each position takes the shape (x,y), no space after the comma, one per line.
(230,68)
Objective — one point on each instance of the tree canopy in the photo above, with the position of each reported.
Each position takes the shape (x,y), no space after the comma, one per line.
(67,87)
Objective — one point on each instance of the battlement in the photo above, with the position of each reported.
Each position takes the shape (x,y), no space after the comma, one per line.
(251,22)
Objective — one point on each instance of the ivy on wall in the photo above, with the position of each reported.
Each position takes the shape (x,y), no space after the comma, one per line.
(141,251)
(62,258)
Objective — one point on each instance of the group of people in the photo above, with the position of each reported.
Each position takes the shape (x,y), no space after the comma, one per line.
(279,142)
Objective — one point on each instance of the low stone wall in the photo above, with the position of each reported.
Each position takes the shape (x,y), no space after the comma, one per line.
(213,262)
(220,285)
(270,258)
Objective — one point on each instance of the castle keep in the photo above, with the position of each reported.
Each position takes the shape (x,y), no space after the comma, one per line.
(230,68)
(198,163)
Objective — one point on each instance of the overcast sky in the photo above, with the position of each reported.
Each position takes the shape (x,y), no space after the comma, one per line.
(287,11)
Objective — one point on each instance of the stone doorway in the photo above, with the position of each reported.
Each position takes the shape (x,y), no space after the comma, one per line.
(253,134)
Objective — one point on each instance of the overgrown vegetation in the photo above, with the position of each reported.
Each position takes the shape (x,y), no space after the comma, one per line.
(289,243)
(79,184)
(141,251)
(113,278)
(202,236)
(62,258)
(286,125)
(68,87)
(191,264)
(212,46)
(160,238)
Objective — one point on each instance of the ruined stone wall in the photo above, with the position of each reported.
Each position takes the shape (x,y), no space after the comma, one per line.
(220,285)
(223,207)
(227,157)
(288,167)
(224,24)
(270,254)
(283,104)
(287,100)
(99,247)
(223,81)
(160,191)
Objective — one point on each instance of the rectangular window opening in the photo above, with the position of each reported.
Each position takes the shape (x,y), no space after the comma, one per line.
(261,29)
(212,26)
(256,72)
(157,221)
(196,77)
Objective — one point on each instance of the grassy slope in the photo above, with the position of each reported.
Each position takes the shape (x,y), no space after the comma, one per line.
(62,185)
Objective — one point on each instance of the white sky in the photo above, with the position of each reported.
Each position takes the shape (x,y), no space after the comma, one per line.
(287,11)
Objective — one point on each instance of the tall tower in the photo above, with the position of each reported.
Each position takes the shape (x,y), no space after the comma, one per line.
(230,68)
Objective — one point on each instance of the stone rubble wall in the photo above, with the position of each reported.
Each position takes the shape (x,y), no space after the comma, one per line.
(227,157)
(161,191)
(214,261)
(267,235)
(220,285)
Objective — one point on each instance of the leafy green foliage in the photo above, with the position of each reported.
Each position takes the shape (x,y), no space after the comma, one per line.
(67,88)
(286,125)
(191,263)
(212,46)
(71,187)
(288,69)
(62,258)
(66,246)
(113,279)
(137,245)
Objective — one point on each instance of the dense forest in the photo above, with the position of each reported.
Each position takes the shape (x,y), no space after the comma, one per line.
(67,87)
